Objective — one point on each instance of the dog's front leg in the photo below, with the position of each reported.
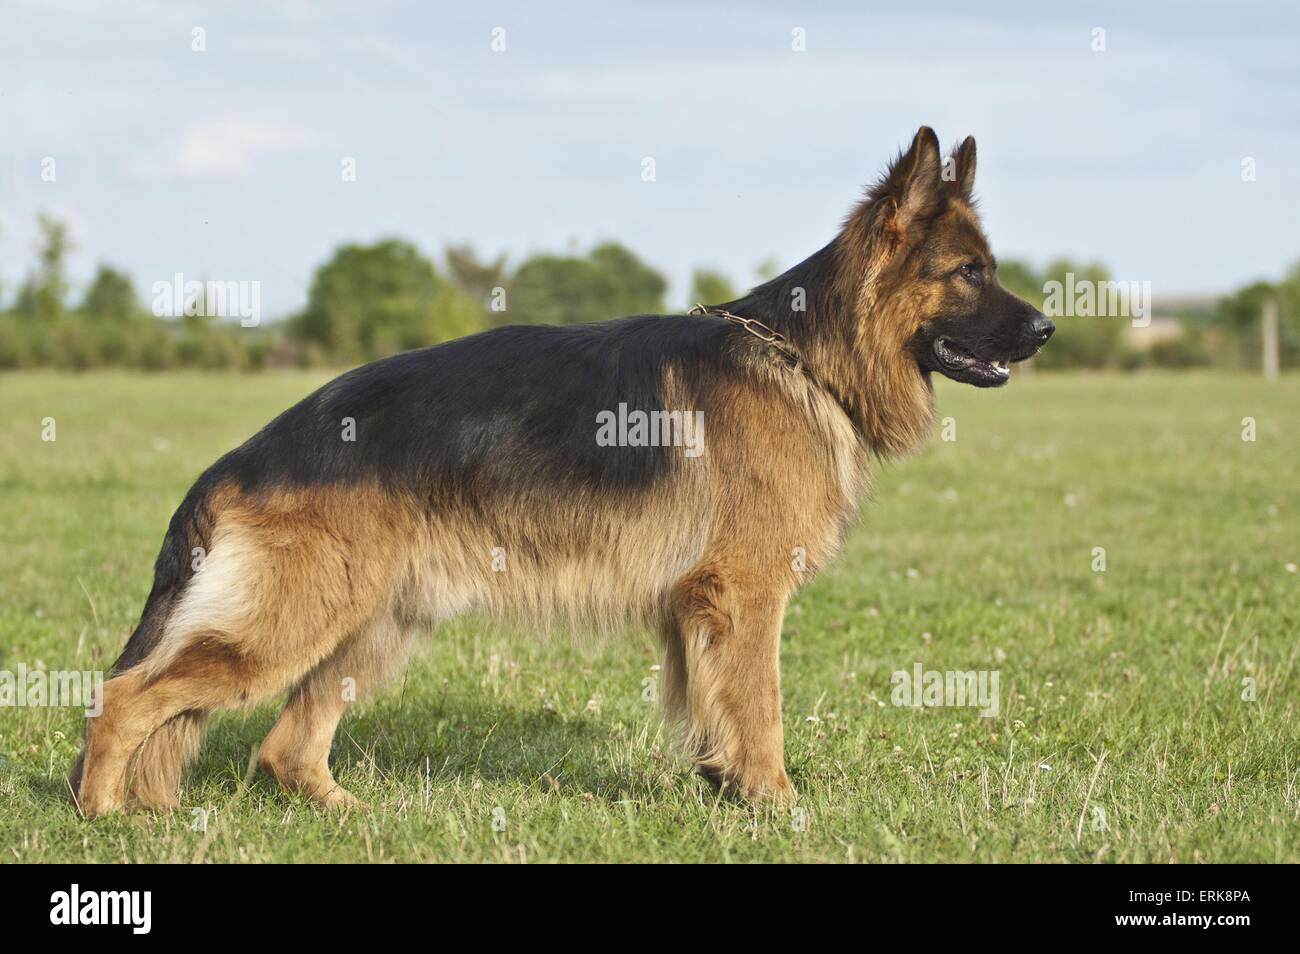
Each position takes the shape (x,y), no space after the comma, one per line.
(730,627)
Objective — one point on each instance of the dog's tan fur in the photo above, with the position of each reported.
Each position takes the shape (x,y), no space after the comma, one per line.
(318,591)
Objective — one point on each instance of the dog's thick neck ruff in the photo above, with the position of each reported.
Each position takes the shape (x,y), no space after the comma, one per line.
(847,344)
(891,406)
(855,310)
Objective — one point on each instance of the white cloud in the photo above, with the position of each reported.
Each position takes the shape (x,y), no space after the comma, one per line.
(230,146)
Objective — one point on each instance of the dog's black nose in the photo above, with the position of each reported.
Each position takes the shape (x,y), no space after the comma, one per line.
(1042,328)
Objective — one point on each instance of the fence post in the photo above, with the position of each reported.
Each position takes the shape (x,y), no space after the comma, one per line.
(1270,340)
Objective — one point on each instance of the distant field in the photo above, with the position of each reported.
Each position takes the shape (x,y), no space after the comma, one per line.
(1123,734)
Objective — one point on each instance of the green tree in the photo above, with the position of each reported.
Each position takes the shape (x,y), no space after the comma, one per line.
(371,300)
(109,316)
(709,287)
(1240,312)
(639,287)
(1238,318)
(42,332)
(110,297)
(1288,301)
(1019,278)
(44,293)
(609,282)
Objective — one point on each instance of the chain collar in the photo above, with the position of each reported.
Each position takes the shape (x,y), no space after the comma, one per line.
(755,327)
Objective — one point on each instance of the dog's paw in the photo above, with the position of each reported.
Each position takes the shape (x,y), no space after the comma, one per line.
(756,788)
(775,790)
(338,797)
(99,805)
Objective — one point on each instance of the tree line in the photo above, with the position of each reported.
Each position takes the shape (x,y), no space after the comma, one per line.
(371,300)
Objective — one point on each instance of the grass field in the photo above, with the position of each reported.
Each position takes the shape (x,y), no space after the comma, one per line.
(1122,735)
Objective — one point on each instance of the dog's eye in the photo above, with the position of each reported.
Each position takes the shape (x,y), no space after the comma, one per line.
(973,272)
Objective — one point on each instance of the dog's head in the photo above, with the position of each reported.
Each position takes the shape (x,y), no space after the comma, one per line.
(931,276)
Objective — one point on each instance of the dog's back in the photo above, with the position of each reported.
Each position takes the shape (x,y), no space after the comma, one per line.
(471,475)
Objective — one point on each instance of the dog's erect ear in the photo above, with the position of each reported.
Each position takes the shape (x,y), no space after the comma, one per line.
(962,165)
(914,180)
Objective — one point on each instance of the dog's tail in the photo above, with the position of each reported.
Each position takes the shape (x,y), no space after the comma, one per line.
(160,761)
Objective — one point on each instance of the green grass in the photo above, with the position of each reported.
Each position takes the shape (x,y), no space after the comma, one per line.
(1120,690)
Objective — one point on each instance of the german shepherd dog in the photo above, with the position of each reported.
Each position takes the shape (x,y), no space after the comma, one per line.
(468,476)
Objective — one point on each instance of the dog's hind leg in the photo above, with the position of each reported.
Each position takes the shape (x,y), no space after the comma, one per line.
(285,584)
(296,752)
(730,630)
(208,673)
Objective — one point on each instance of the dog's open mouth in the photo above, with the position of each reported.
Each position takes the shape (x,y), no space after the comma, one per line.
(962,365)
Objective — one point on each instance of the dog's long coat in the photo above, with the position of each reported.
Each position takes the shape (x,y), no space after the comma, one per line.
(467,476)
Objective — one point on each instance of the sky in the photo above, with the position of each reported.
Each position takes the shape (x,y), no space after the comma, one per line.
(227,163)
